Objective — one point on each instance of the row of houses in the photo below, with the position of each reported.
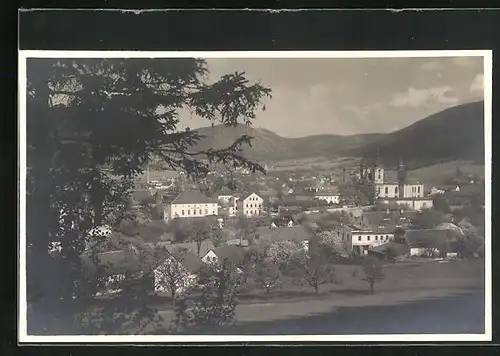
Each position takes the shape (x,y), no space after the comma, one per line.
(163,264)
(193,204)
(179,263)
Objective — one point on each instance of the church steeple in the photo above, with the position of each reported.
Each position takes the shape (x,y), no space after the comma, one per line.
(362,169)
(401,171)
(377,158)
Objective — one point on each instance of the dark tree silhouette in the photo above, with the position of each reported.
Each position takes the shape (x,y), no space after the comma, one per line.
(92,126)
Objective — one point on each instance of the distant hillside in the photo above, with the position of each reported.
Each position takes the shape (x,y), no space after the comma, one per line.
(266,145)
(456,133)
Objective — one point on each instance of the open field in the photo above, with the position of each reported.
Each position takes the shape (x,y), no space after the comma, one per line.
(403,283)
(317,164)
(438,173)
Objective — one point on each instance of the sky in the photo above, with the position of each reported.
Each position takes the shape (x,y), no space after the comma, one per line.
(354,96)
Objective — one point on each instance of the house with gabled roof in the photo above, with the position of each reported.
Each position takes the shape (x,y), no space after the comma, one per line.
(250,205)
(232,254)
(191,204)
(177,271)
(431,243)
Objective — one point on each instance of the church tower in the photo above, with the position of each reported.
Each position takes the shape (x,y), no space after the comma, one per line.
(378,170)
(362,170)
(401,178)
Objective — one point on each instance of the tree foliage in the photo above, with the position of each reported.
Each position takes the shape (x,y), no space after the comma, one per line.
(199,231)
(373,272)
(282,253)
(214,308)
(171,275)
(427,219)
(92,126)
(267,275)
(331,244)
(313,268)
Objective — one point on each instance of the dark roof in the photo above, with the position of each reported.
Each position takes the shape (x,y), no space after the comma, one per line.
(268,193)
(224,191)
(193,197)
(233,253)
(381,220)
(114,262)
(426,237)
(294,233)
(141,195)
(400,249)
(328,191)
(206,245)
(391,177)
(189,260)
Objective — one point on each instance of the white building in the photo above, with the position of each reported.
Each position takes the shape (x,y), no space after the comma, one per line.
(362,240)
(191,204)
(435,191)
(224,198)
(331,196)
(250,205)
(393,185)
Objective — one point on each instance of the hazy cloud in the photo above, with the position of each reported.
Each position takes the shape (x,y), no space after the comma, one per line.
(430,66)
(423,97)
(352,96)
(467,62)
(477,85)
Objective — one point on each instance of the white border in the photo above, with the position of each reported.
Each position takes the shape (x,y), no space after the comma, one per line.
(22,309)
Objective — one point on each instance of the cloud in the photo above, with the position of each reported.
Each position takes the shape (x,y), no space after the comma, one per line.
(423,97)
(320,91)
(477,85)
(467,62)
(360,111)
(431,66)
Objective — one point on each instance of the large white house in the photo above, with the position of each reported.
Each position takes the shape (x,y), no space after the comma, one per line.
(362,240)
(250,205)
(191,204)
(330,195)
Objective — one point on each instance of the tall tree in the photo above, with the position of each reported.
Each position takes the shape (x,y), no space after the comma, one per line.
(267,274)
(92,126)
(313,267)
(199,231)
(215,308)
(373,272)
(171,274)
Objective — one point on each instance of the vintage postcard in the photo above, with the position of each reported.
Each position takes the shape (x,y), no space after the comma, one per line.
(255,196)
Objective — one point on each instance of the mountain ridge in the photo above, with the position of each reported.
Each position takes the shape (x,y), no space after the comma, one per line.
(432,133)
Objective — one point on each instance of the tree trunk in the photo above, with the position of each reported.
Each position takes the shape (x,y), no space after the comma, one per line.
(371,287)
(316,290)
(172,295)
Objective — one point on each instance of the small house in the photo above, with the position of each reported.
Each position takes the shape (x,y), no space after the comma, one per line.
(180,269)
(430,243)
(232,254)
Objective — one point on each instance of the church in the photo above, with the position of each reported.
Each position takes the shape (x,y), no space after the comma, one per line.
(396,187)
